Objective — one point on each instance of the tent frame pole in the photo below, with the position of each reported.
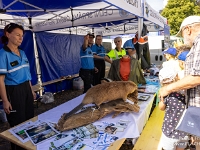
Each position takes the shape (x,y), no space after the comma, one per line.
(37,63)
(38,8)
(72,17)
(10,4)
(1,4)
(140,26)
(33,10)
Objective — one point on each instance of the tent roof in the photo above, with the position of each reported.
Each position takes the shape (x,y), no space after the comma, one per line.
(44,15)
(23,5)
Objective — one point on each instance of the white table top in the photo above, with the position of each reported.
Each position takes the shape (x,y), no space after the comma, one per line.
(135,127)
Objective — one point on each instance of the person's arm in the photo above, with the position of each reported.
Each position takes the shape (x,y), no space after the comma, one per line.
(85,43)
(183,84)
(34,94)
(96,70)
(106,58)
(6,104)
(95,52)
(162,105)
(98,57)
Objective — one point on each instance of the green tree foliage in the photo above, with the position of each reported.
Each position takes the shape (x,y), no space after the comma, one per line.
(176,10)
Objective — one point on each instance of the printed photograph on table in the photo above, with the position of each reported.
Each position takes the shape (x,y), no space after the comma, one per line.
(105,128)
(86,132)
(43,136)
(41,133)
(110,129)
(148,89)
(72,144)
(38,129)
(100,127)
(67,140)
(122,124)
(103,141)
(19,131)
(61,136)
(143,97)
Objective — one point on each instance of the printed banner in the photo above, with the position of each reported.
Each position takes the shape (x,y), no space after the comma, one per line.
(83,17)
(153,16)
(73,30)
(127,29)
(167,41)
(132,6)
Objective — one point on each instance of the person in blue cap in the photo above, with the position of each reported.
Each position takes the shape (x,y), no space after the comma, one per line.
(130,49)
(181,59)
(170,55)
(87,69)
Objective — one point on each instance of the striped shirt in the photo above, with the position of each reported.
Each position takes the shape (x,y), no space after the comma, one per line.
(192,67)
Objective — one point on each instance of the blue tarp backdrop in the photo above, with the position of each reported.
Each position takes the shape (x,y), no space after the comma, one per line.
(59,55)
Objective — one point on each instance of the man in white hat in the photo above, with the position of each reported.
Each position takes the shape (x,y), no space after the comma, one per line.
(190,31)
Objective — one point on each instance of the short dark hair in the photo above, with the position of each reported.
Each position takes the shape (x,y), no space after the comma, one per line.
(9,28)
(91,34)
(98,36)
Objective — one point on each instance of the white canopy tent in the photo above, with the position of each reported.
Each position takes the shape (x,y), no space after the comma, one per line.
(96,14)
(79,16)
(131,24)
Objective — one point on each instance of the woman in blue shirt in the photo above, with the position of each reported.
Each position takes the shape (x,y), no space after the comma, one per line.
(15,85)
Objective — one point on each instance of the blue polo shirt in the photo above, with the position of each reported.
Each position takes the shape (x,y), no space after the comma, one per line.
(15,68)
(98,50)
(87,61)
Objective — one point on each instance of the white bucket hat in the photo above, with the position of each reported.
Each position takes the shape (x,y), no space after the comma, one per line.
(167,74)
(188,21)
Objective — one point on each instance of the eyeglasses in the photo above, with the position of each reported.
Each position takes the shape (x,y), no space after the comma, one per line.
(185,28)
(117,41)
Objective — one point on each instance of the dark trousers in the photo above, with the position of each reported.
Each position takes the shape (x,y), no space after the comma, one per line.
(100,65)
(87,77)
(21,99)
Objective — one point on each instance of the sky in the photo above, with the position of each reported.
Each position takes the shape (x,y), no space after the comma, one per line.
(156,4)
